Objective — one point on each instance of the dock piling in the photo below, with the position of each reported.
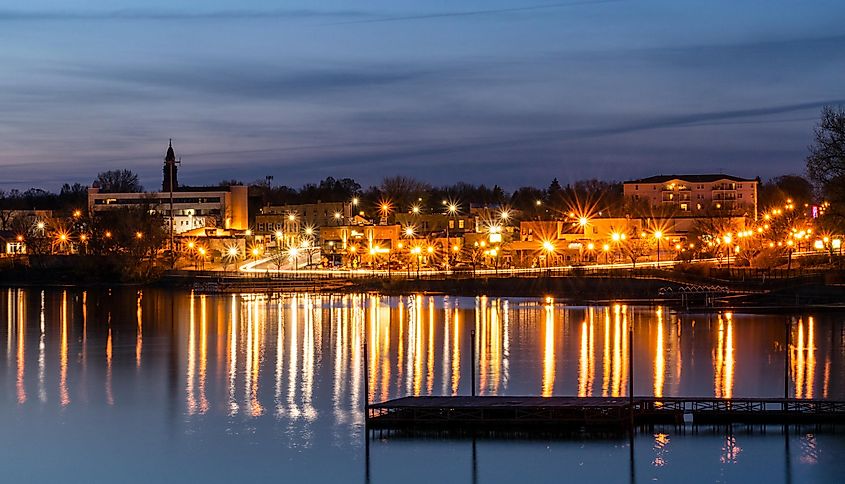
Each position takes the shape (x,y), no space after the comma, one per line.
(472,361)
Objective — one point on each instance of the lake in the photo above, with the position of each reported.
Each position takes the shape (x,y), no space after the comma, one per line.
(149,385)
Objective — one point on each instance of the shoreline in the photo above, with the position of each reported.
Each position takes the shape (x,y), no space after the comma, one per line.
(790,295)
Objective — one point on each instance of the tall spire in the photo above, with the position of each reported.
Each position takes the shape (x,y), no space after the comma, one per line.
(170,168)
(170,156)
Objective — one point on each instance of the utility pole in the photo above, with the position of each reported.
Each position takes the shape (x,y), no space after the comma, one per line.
(170,166)
(269,179)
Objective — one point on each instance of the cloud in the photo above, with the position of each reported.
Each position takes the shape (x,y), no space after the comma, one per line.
(172,14)
(352,16)
(474,13)
(252,80)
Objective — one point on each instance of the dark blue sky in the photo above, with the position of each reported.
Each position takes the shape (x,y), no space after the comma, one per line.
(490,91)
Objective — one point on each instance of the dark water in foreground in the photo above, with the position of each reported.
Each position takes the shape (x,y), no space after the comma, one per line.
(160,387)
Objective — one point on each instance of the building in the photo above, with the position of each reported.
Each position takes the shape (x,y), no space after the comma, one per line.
(424,224)
(354,245)
(294,218)
(193,208)
(693,195)
(11,243)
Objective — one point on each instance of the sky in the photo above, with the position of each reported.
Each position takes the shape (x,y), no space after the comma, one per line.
(501,92)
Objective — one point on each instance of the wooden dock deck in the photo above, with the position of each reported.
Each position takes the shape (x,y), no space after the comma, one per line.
(588,414)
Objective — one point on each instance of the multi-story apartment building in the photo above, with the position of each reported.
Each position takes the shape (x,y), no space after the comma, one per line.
(694,195)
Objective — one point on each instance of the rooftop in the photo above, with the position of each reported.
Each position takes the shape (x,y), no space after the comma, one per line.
(691,178)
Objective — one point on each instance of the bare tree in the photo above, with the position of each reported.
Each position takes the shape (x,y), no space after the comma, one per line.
(118,181)
(402,191)
(826,161)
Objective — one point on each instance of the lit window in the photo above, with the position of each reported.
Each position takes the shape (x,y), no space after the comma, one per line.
(460,224)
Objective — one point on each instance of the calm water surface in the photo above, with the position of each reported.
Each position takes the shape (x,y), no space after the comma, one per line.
(154,386)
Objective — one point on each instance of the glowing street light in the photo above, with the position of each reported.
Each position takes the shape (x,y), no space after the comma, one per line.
(549,248)
(658,235)
(293,254)
(417,251)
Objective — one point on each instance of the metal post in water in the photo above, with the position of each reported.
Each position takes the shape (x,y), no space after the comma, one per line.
(786,361)
(631,373)
(472,361)
(366,381)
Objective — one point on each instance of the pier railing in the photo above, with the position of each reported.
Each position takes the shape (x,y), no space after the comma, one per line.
(543,414)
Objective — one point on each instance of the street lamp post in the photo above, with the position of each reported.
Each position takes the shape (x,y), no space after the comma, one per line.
(549,248)
(658,235)
(452,210)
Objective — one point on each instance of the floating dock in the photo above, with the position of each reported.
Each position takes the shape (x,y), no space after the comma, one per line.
(593,414)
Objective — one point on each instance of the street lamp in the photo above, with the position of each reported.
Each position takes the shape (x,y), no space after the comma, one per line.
(201,252)
(232,253)
(549,248)
(418,252)
(451,210)
(293,254)
(727,239)
(657,236)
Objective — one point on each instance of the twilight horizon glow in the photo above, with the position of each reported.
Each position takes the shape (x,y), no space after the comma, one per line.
(506,91)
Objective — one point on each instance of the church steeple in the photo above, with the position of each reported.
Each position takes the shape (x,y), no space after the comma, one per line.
(170,169)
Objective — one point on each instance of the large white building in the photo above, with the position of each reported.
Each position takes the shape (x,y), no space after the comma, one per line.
(190,208)
(193,208)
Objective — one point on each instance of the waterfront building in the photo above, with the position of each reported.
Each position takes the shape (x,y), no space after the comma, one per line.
(689,195)
(187,208)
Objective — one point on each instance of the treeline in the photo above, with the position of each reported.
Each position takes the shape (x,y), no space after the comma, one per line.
(403,192)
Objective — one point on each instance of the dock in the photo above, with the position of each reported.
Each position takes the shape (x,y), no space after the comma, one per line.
(593,414)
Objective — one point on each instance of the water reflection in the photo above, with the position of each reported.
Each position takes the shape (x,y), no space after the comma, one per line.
(723,358)
(287,370)
(275,355)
